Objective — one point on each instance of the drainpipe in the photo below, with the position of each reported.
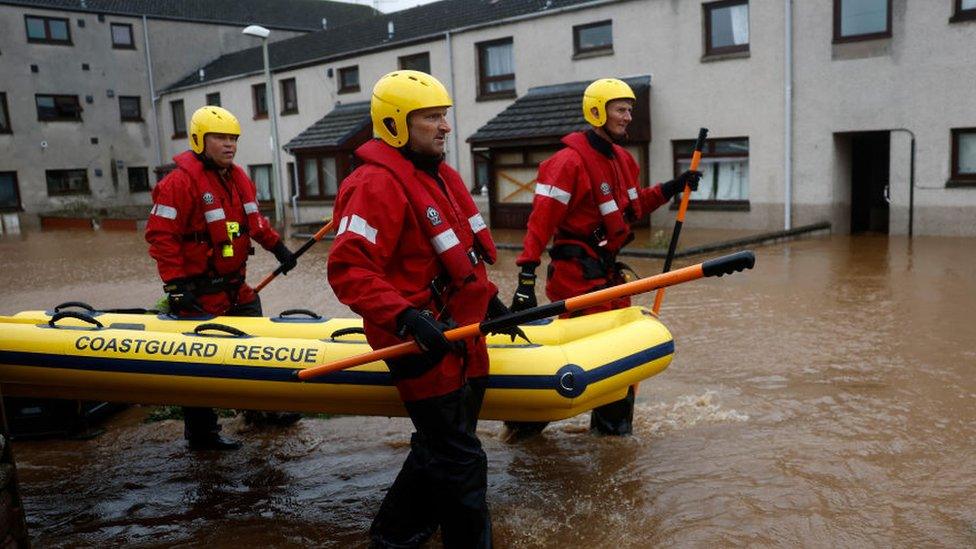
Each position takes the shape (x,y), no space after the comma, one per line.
(788,117)
(152,92)
(911,181)
(450,66)
(294,197)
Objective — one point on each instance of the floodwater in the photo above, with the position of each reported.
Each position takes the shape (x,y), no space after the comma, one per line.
(826,398)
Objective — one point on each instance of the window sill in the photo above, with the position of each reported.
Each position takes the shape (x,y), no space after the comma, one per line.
(260,116)
(49,42)
(593,53)
(496,96)
(6,132)
(117,47)
(719,56)
(11,209)
(178,136)
(715,205)
(286,113)
(963,16)
(960,183)
(348,90)
(862,37)
(59,120)
(134,120)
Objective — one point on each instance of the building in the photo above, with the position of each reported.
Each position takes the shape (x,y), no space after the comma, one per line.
(78,80)
(857,112)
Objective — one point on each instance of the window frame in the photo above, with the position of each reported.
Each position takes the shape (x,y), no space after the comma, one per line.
(708,9)
(251,168)
(138,117)
(48,174)
(128,173)
(257,99)
(341,75)
(713,204)
(839,39)
(20,205)
(9,128)
(595,51)
(955,176)
(481,49)
(210,96)
(132,37)
(403,59)
(342,162)
(960,14)
(179,123)
(285,84)
(47,30)
(56,98)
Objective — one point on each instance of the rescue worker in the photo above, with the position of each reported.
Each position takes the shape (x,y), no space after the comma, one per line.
(204,216)
(409,257)
(587,195)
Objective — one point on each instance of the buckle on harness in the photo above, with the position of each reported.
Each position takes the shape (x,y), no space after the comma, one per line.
(473,256)
(233,231)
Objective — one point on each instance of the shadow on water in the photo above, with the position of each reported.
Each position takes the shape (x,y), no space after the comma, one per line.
(825,398)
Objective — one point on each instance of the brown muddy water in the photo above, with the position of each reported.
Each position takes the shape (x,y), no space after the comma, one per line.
(826,398)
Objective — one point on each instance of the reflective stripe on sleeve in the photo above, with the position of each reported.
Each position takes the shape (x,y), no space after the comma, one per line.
(445,241)
(163,210)
(477,223)
(359,226)
(553,192)
(214,215)
(632,193)
(607,207)
(250,207)
(342,225)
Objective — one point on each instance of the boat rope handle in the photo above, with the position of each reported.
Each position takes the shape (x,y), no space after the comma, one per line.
(73,314)
(347,331)
(220,328)
(310,314)
(79,304)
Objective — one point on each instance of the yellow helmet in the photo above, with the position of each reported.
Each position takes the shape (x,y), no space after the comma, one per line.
(211,119)
(399,93)
(601,92)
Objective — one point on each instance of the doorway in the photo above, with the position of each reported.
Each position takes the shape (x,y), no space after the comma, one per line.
(870,161)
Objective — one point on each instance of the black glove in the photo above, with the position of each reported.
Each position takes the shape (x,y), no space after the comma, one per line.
(179,294)
(525,293)
(427,331)
(284,256)
(675,186)
(496,309)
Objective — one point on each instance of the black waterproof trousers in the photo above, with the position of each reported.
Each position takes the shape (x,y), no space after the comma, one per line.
(444,481)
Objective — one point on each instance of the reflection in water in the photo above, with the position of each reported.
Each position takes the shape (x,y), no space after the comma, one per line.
(825,398)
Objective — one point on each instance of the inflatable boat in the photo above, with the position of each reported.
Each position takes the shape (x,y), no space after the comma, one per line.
(570,366)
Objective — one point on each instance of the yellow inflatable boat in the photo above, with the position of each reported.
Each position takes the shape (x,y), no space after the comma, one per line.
(571,366)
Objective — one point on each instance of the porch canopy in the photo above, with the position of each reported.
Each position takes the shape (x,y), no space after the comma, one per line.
(324,150)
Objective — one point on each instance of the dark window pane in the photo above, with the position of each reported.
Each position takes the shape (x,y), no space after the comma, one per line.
(138,180)
(179,118)
(730,26)
(863,17)
(58,107)
(349,78)
(967,153)
(498,60)
(67,182)
(130,108)
(289,96)
(122,35)
(9,197)
(213,99)
(35,29)
(4,118)
(260,100)
(595,37)
(968,5)
(418,62)
(59,29)
(261,176)
(731,146)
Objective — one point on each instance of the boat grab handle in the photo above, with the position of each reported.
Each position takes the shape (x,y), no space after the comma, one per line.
(220,328)
(72,314)
(79,304)
(305,312)
(347,331)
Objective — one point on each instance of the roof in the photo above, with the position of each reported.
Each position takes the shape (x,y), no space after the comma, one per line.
(554,111)
(333,129)
(416,24)
(304,15)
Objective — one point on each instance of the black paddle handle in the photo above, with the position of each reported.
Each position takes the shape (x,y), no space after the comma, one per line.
(728,264)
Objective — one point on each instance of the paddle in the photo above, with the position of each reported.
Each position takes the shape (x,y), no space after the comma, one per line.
(685,196)
(311,242)
(719,266)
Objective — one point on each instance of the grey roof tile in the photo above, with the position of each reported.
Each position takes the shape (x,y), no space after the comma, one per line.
(333,129)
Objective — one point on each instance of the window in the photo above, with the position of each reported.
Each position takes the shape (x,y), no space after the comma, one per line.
(261,176)
(726,27)
(122,36)
(964,155)
(63,182)
(965,11)
(179,119)
(130,108)
(593,38)
(58,108)
(416,62)
(349,79)
(319,180)
(4,115)
(260,99)
(496,69)
(725,172)
(47,30)
(861,20)
(289,97)
(9,192)
(213,99)
(138,180)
